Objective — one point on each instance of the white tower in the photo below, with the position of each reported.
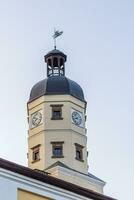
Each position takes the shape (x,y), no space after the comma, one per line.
(57,141)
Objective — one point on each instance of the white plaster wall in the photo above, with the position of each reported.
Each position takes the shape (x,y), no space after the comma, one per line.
(9,182)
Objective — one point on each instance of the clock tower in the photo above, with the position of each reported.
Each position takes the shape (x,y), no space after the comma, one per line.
(57,141)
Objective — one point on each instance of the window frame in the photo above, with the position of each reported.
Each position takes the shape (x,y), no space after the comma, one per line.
(57,144)
(79,149)
(56,108)
(35,151)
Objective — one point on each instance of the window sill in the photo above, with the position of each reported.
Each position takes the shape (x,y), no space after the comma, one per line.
(34,161)
(79,160)
(56,118)
(57,157)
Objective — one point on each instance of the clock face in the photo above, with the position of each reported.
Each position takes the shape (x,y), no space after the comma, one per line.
(76,118)
(36,119)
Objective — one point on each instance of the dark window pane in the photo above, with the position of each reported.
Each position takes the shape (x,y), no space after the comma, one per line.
(79,152)
(56,111)
(57,151)
(78,155)
(56,114)
(36,155)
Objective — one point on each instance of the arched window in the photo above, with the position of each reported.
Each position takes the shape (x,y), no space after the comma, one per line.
(55,62)
(61,62)
(49,62)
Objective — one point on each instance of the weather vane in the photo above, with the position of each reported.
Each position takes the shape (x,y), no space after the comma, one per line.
(55,35)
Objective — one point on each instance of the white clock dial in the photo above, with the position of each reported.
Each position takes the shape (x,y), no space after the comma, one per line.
(76,118)
(36,119)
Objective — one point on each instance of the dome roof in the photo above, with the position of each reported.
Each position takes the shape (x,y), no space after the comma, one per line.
(55,52)
(56,85)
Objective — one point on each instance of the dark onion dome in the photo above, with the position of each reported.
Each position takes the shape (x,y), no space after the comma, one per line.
(56,85)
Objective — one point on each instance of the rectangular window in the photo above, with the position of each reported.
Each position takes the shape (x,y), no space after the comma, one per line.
(57,149)
(56,112)
(79,152)
(36,153)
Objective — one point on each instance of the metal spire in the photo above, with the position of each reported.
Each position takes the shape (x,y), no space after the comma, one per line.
(55,35)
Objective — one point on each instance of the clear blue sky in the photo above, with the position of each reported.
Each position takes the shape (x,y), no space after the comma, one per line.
(99,41)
